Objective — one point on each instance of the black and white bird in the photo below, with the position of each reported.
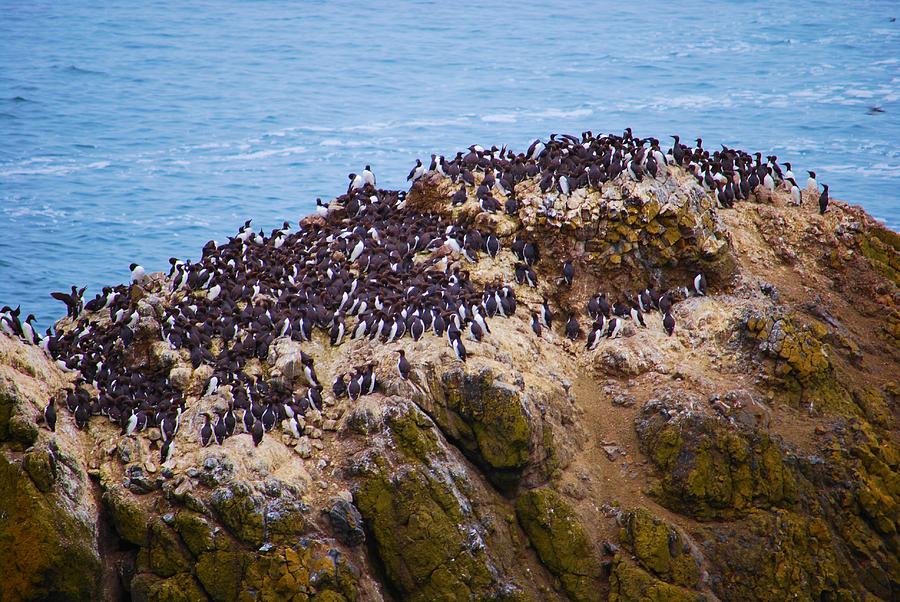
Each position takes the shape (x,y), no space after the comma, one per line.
(206,431)
(368,176)
(796,196)
(459,349)
(50,415)
(700,284)
(823,200)
(357,182)
(573,330)
(492,245)
(137,274)
(546,315)
(536,324)
(669,324)
(403,367)
(614,328)
(568,273)
(638,317)
(594,336)
(416,172)
(219,430)
(257,432)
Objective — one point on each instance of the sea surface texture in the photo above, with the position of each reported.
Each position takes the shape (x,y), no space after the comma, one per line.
(139,131)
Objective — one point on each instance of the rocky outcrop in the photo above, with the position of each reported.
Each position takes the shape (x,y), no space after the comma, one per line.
(628,230)
(752,455)
(711,468)
(555,531)
(439,531)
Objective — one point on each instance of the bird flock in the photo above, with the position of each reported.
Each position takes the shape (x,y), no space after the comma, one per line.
(364,267)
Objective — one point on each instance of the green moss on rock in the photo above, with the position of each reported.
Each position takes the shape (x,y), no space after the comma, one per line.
(711,469)
(45,553)
(128,516)
(776,556)
(242,511)
(7,402)
(16,426)
(180,588)
(489,422)
(40,464)
(882,247)
(221,573)
(420,533)
(560,541)
(801,362)
(630,583)
(195,531)
(858,486)
(660,548)
(287,520)
(411,430)
(310,571)
(166,554)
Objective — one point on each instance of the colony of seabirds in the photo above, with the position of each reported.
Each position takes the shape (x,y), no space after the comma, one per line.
(355,275)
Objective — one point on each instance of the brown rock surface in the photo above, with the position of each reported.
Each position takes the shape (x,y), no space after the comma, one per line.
(751,456)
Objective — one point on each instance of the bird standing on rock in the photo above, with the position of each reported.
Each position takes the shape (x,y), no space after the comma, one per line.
(669,324)
(700,284)
(403,366)
(137,274)
(459,349)
(416,173)
(568,273)
(573,330)
(206,431)
(536,324)
(823,200)
(50,415)
(257,433)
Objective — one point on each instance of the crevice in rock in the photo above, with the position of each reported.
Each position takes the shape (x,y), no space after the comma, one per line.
(378,572)
(118,556)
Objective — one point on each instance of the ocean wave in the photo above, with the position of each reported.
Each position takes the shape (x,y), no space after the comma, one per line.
(273,152)
(876,170)
(499,118)
(14,212)
(432,123)
(338,143)
(562,114)
(23,169)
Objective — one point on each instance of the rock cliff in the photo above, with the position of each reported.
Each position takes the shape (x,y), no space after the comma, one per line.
(752,455)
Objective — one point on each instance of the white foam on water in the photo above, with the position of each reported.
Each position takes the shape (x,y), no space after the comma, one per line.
(562,114)
(51,170)
(338,143)
(17,211)
(499,118)
(272,152)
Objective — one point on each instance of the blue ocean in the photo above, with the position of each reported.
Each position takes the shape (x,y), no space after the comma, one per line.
(136,131)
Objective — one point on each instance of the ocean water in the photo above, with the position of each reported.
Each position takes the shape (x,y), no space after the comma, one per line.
(139,131)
